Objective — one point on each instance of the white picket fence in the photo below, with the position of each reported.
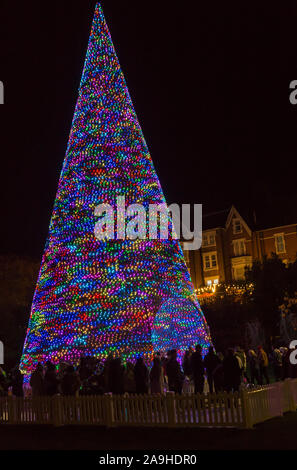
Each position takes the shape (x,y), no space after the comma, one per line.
(241,410)
(269,401)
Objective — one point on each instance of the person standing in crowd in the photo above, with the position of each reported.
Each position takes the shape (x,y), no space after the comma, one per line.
(61,369)
(70,382)
(240,354)
(106,372)
(116,377)
(285,362)
(198,369)
(218,374)
(84,370)
(95,383)
(263,364)
(141,376)
(239,361)
(293,369)
(277,363)
(232,372)
(37,381)
(187,363)
(164,360)
(156,376)
(254,367)
(129,379)
(51,381)
(211,361)
(174,373)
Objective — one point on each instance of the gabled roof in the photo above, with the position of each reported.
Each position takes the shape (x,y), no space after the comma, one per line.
(253,220)
(234,212)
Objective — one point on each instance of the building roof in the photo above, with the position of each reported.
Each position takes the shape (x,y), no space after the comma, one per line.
(256,219)
(215,219)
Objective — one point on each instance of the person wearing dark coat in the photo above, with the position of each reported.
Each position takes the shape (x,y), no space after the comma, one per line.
(187,363)
(156,376)
(254,367)
(232,372)
(51,381)
(105,373)
(141,376)
(37,381)
(174,373)
(95,383)
(197,367)
(293,368)
(84,370)
(276,358)
(211,361)
(286,365)
(116,376)
(70,382)
(218,374)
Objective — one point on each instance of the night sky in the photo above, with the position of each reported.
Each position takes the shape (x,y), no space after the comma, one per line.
(210,86)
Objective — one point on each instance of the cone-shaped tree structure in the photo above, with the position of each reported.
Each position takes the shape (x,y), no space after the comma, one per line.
(94,297)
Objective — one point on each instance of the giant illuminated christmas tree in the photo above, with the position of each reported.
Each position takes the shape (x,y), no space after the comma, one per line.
(94,297)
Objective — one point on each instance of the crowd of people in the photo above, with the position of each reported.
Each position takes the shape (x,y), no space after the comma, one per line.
(215,372)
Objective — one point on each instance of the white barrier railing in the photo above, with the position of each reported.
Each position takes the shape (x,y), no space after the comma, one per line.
(224,409)
(269,401)
(262,404)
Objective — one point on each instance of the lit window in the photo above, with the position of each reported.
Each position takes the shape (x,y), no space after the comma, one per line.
(207,262)
(208,239)
(210,261)
(280,243)
(236,226)
(239,247)
(208,282)
(211,240)
(215,281)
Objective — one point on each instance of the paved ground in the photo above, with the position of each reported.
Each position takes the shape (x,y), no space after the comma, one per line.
(278,433)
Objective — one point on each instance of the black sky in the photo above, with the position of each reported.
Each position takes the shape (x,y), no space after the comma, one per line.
(209,82)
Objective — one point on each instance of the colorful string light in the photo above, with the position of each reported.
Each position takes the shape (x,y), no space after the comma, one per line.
(97,297)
